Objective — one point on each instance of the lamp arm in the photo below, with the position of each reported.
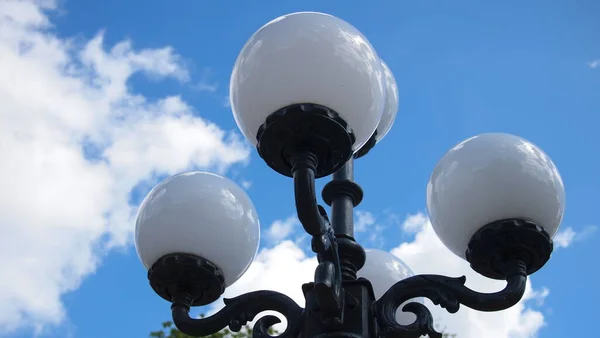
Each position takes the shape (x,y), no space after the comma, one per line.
(449,293)
(313,217)
(240,310)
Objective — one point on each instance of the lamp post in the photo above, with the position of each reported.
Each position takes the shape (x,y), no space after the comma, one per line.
(310,92)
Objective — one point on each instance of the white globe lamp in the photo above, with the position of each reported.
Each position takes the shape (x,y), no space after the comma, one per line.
(198,217)
(307,79)
(492,178)
(390,111)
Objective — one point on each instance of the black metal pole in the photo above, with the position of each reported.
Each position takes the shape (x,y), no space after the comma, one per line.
(342,206)
(343,194)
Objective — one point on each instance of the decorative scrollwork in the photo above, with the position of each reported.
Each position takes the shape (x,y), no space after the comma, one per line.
(447,292)
(239,311)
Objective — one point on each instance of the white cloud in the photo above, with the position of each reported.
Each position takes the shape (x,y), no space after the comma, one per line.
(74,141)
(364,219)
(594,64)
(206,86)
(246,184)
(414,223)
(281,229)
(566,237)
(286,267)
(283,268)
(368,230)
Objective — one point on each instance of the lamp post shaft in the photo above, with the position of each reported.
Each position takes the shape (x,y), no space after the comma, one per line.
(343,194)
(342,206)
(355,318)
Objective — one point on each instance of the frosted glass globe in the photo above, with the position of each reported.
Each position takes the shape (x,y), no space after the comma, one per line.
(199,213)
(383,270)
(308,57)
(390,109)
(488,178)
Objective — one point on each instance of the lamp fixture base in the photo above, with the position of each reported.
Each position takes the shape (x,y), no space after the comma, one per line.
(497,243)
(181,275)
(307,128)
(367,147)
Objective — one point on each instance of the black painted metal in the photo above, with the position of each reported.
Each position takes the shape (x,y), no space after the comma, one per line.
(498,242)
(343,200)
(367,147)
(179,273)
(358,319)
(447,292)
(305,127)
(328,276)
(239,311)
(337,303)
(343,194)
(353,318)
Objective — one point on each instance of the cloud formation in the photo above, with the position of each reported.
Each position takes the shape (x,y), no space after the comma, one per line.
(566,237)
(75,139)
(364,220)
(281,229)
(368,230)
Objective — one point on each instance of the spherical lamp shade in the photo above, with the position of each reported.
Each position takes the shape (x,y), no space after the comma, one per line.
(383,270)
(390,109)
(313,58)
(202,214)
(488,178)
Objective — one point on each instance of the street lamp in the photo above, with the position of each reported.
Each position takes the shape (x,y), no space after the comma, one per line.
(310,92)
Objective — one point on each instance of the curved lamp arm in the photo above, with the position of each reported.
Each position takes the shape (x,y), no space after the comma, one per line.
(313,217)
(240,310)
(449,293)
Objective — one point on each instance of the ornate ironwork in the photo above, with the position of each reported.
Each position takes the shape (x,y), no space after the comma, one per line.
(449,293)
(239,311)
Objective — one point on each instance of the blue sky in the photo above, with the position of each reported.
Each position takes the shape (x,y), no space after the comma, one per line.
(102,124)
